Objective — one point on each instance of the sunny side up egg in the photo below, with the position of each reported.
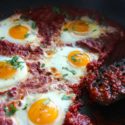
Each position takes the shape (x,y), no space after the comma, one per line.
(43,109)
(12,71)
(80,29)
(68,62)
(17,29)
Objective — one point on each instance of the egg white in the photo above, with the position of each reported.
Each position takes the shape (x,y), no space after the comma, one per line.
(94,32)
(21,116)
(20,75)
(59,60)
(15,20)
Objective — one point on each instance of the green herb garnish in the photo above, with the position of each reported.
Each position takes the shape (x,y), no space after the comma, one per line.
(73,58)
(6,109)
(65,97)
(64,75)
(56,10)
(15,62)
(65,29)
(25,107)
(1,38)
(11,110)
(94,30)
(26,35)
(43,65)
(33,25)
(72,71)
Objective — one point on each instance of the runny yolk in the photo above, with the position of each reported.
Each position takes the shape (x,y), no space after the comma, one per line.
(42,113)
(78,58)
(18,32)
(77,26)
(6,70)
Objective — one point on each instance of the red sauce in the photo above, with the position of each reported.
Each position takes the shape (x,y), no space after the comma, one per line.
(47,21)
(77,119)
(107,83)
(38,81)
(11,49)
(50,23)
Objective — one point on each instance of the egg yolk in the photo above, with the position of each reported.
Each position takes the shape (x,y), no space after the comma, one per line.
(6,70)
(18,32)
(77,26)
(43,112)
(78,58)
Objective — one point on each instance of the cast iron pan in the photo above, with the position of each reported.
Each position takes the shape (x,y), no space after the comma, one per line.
(114,9)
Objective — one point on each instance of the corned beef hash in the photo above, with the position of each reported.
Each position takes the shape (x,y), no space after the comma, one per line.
(45,54)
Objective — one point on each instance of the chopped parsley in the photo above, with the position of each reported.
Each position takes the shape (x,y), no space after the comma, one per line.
(25,107)
(65,29)
(71,71)
(26,35)
(33,25)
(73,58)
(64,75)
(6,109)
(56,10)
(1,38)
(10,110)
(94,30)
(43,65)
(15,62)
(66,97)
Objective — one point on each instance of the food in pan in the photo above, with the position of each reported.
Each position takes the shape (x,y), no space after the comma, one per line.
(18,30)
(43,109)
(56,17)
(45,55)
(108,84)
(69,62)
(13,70)
(82,28)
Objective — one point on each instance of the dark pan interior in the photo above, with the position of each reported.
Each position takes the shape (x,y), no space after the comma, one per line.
(114,9)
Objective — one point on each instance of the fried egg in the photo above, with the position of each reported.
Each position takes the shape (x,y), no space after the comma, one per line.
(43,109)
(17,29)
(80,29)
(12,71)
(68,62)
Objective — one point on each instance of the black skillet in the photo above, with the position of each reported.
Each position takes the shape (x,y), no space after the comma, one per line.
(114,9)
